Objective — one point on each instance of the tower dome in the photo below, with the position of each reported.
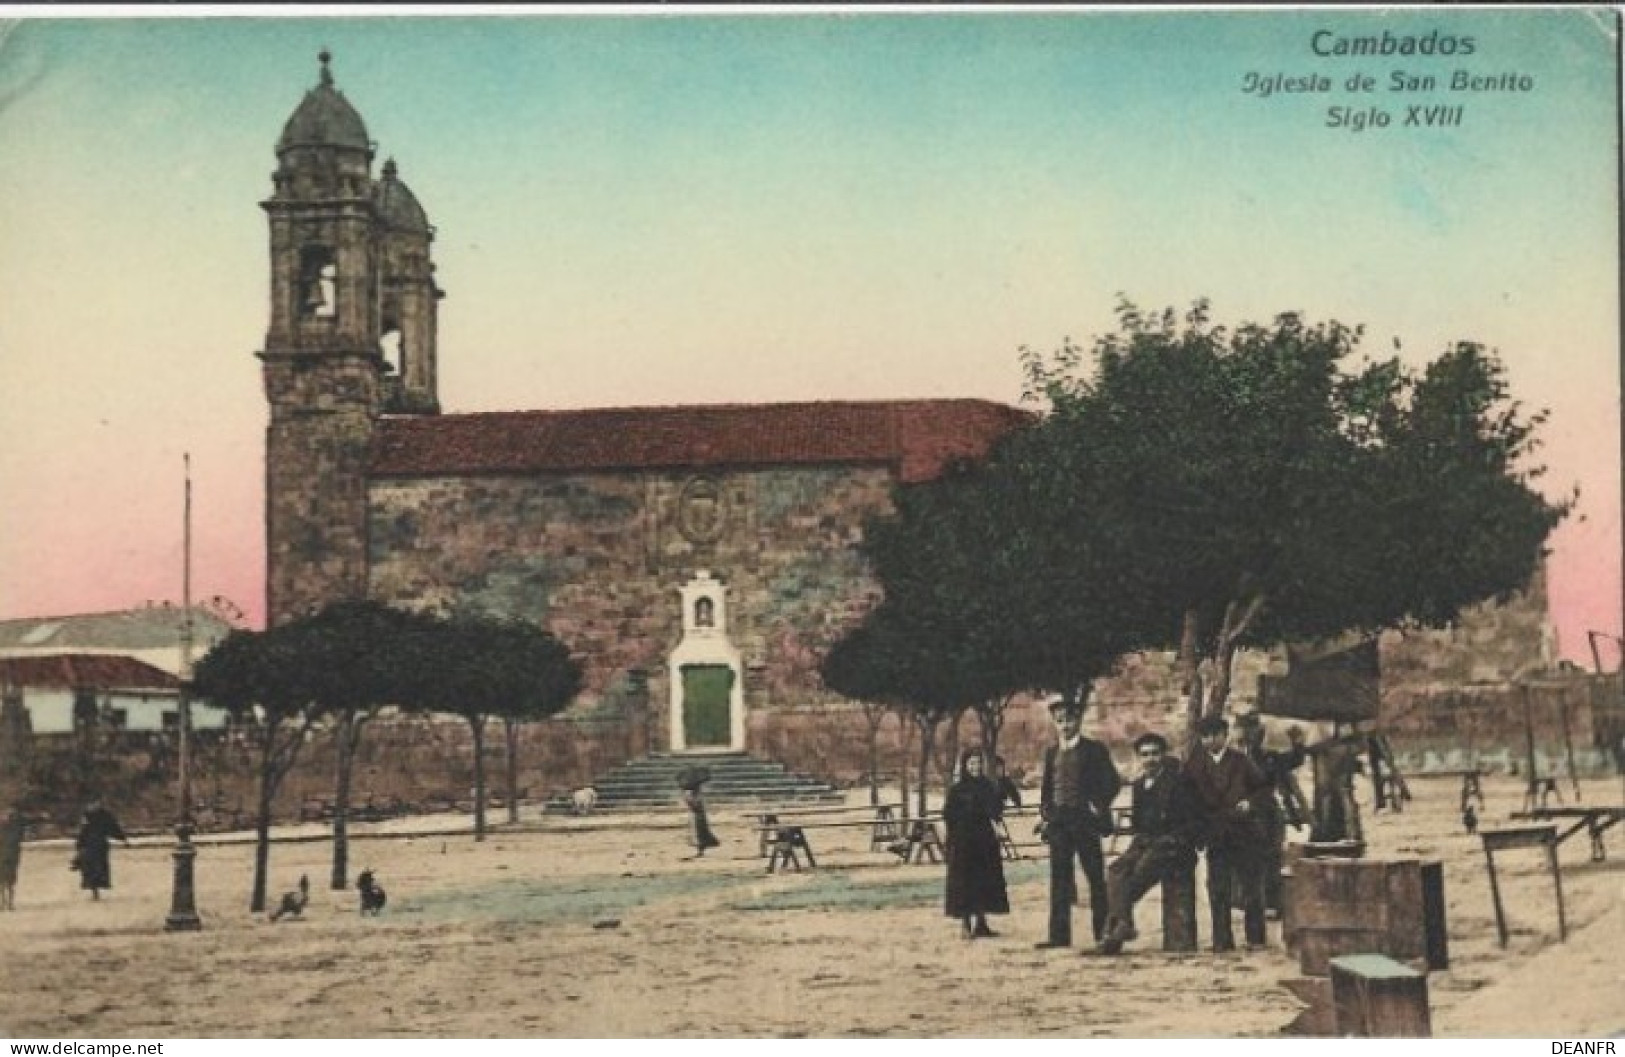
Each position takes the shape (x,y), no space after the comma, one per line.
(324,118)
(396,205)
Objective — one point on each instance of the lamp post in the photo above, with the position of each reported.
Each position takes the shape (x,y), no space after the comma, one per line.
(183,898)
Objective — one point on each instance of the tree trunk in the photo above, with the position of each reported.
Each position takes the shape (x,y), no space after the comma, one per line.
(902,772)
(928,739)
(1219,693)
(1190,676)
(262,857)
(275,763)
(991,716)
(1238,618)
(478,726)
(874,717)
(262,826)
(510,734)
(951,743)
(349,731)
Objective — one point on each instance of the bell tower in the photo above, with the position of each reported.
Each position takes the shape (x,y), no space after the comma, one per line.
(407,296)
(323,370)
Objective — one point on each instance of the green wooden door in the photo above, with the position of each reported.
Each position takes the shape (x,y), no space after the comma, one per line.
(706,692)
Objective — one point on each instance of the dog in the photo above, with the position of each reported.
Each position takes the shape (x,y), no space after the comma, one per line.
(373,897)
(583,800)
(293,903)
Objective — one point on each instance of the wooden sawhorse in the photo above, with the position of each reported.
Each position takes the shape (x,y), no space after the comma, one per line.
(1539,793)
(1523,837)
(1471,789)
(924,842)
(766,826)
(783,844)
(887,830)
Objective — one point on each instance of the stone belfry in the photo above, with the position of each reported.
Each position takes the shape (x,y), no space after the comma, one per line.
(407,295)
(352,337)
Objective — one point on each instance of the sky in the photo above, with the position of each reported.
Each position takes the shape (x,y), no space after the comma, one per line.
(654,207)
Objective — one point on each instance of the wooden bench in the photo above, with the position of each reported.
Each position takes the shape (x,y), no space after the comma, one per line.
(919,841)
(1374,996)
(1594,820)
(885,829)
(1523,837)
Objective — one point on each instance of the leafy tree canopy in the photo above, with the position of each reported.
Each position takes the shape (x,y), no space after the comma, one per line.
(479,666)
(1257,487)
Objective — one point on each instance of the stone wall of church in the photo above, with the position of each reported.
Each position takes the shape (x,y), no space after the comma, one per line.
(598,559)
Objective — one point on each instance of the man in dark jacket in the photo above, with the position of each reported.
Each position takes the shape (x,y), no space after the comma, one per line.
(1276,806)
(1080,784)
(1165,825)
(1225,785)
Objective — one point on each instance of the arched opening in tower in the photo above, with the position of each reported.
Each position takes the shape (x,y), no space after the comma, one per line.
(392,347)
(318,283)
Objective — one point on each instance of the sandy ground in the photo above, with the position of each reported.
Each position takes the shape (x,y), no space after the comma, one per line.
(513,937)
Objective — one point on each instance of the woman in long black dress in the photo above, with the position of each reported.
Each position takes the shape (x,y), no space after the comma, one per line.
(975,860)
(692,781)
(96,834)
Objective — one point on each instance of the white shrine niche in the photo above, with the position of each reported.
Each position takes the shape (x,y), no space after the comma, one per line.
(705,674)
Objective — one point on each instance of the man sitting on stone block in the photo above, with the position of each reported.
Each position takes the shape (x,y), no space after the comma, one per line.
(1165,825)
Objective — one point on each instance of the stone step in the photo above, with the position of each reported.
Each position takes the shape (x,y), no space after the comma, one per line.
(717,781)
(650,783)
(653,803)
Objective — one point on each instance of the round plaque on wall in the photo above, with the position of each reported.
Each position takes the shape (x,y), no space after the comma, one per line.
(701,512)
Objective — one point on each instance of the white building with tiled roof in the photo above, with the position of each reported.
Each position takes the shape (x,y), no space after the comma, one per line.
(151,634)
(125,665)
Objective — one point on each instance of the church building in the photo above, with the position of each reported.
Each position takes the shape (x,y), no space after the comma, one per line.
(699,560)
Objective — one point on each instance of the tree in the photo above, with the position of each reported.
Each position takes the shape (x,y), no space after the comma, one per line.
(846,670)
(986,563)
(1249,487)
(480,667)
(545,680)
(342,663)
(890,658)
(260,677)
(357,661)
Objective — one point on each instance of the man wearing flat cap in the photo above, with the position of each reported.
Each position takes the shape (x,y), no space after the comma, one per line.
(1277,806)
(1080,784)
(1226,786)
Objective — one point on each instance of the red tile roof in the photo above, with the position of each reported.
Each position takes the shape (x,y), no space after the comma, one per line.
(917,437)
(90,671)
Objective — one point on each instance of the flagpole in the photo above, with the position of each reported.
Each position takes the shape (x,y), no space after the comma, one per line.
(183,898)
(186,650)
